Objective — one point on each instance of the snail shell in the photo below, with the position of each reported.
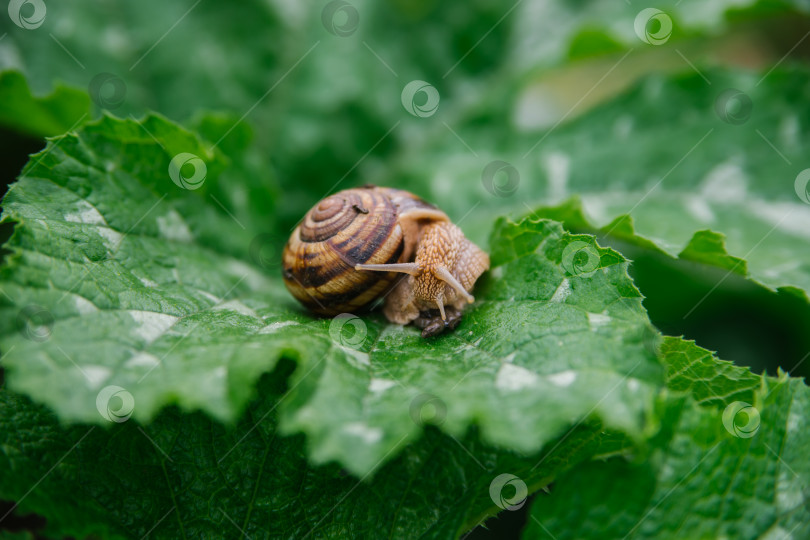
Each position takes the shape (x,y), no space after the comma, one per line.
(351,247)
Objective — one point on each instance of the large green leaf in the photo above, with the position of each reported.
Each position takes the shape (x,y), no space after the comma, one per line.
(704,174)
(185,475)
(737,469)
(162,296)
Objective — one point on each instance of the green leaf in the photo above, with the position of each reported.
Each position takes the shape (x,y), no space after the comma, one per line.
(735,467)
(738,180)
(558,30)
(302,89)
(186,475)
(707,379)
(723,192)
(51,115)
(129,57)
(161,297)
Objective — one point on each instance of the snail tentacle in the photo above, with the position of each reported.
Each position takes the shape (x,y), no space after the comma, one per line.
(404,268)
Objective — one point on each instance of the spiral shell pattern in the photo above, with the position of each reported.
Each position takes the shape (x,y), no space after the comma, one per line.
(354,226)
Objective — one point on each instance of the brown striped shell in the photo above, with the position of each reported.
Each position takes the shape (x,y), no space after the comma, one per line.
(349,247)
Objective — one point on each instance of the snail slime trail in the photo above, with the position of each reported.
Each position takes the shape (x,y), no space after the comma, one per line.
(360,244)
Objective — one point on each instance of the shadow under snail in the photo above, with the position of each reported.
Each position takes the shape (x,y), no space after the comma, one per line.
(352,246)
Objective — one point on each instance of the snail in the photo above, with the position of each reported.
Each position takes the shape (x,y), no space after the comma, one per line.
(351,248)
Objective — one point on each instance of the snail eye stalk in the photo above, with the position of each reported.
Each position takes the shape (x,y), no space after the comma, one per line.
(404,268)
(445,275)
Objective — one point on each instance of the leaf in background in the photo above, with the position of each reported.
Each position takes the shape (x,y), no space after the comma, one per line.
(548,33)
(322,92)
(731,169)
(736,469)
(45,116)
(153,55)
(160,296)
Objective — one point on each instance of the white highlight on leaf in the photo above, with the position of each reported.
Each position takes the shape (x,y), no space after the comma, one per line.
(776,213)
(110,237)
(117,41)
(172,227)
(537,107)
(142,359)
(699,209)
(794,421)
(148,282)
(237,306)
(788,491)
(356,358)
(633,385)
(96,375)
(497,273)
(789,130)
(595,207)
(558,167)
(563,291)
(85,213)
(273,327)
(251,277)
(83,305)
(598,319)
(380,385)
(151,325)
(368,434)
(725,183)
(563,378)
(511,377)
(214,299)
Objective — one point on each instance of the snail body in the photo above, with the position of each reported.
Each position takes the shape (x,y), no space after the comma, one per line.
(352,246)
